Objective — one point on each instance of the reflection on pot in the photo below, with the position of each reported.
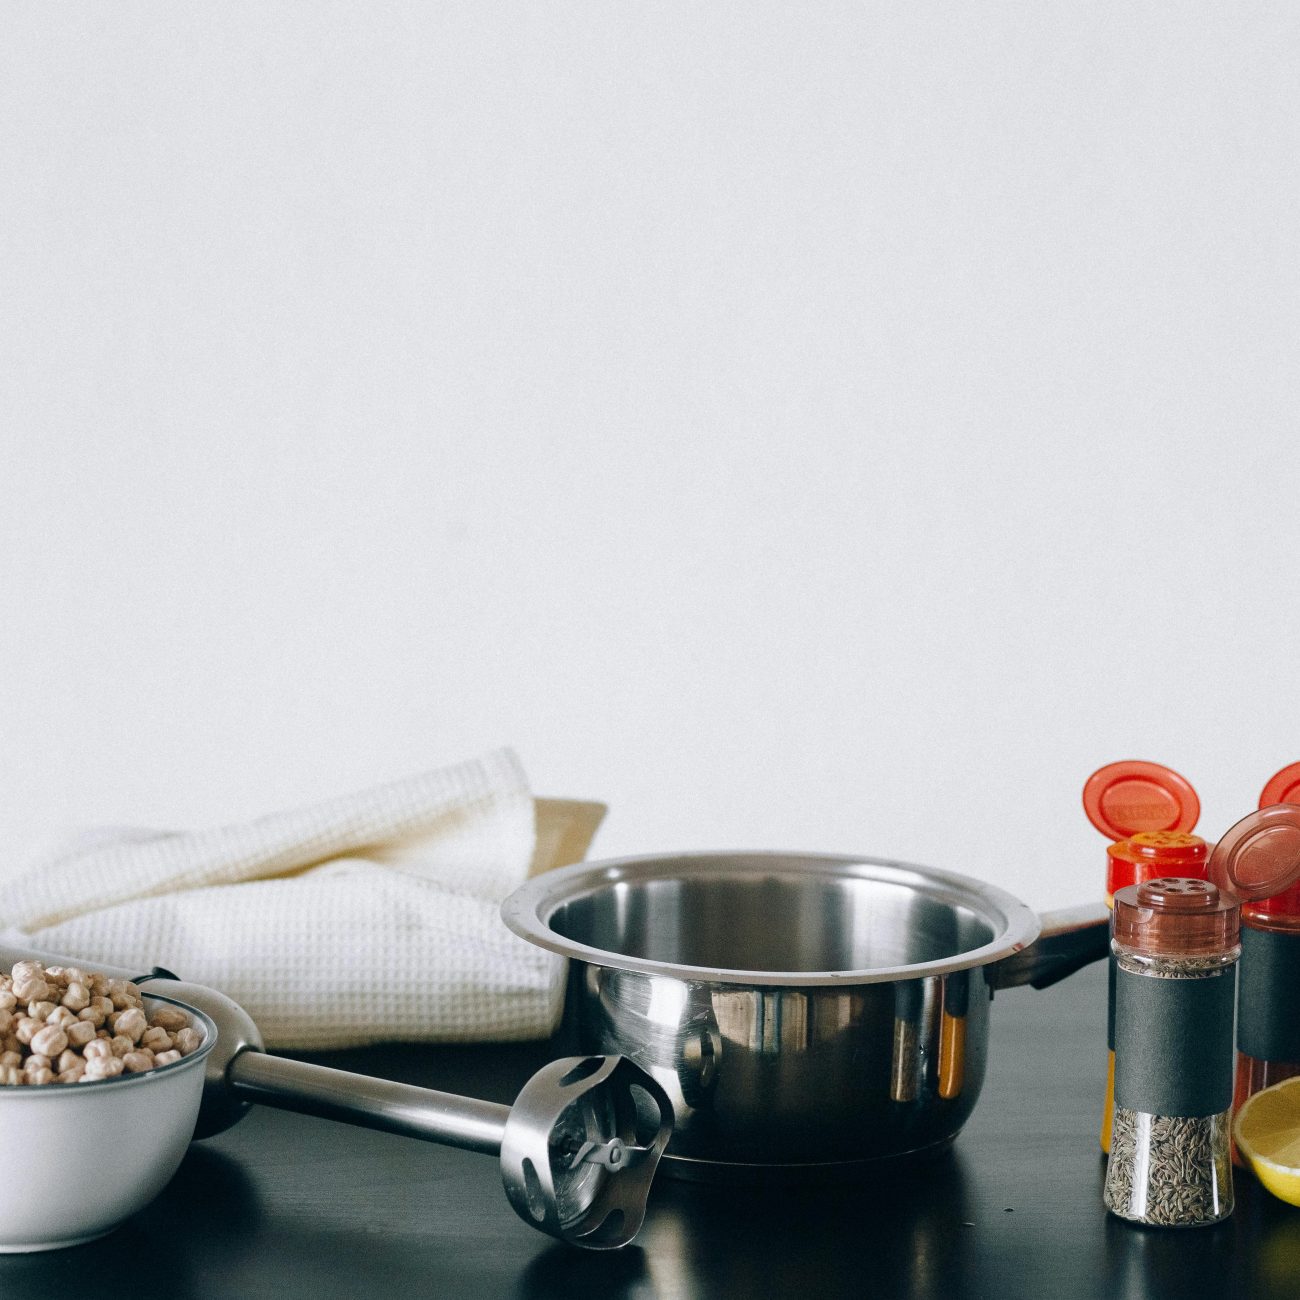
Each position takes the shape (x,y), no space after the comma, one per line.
(775,1075)
(952,1034)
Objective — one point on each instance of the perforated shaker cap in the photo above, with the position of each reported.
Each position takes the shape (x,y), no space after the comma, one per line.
(1176,916)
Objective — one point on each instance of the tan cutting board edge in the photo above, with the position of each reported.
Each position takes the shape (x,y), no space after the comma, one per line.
(565,830)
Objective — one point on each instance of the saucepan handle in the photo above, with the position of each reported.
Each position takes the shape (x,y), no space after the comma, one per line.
(1069,940)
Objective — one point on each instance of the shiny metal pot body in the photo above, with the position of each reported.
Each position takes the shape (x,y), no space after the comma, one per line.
(799,1010)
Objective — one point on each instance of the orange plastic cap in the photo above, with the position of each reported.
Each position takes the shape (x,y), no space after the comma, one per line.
(1283,787)
(1123,799)
(1155,853)
(1259,857)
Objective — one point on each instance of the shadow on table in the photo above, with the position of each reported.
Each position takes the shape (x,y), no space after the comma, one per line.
(1271,1264)
(147,1255)
(907,1234)
(1255,1253)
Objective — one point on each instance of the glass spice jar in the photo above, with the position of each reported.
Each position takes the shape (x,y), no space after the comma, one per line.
(1258,862)
(1176,949)
(1148,811)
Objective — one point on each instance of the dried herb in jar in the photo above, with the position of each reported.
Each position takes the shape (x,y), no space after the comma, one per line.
(1176,951)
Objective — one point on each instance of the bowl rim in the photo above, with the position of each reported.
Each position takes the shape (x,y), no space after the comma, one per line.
(528,911)
(127,1080)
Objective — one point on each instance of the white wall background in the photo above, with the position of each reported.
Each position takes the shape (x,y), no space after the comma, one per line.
(837,426)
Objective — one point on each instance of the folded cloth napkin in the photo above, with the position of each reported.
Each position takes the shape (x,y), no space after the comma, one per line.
(364,919)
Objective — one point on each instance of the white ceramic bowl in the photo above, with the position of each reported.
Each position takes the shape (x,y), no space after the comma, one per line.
(81,1157)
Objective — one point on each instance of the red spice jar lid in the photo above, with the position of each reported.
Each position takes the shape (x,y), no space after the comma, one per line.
(1123,799)
(1283,787)
(1259,857)
(1175,916)
(1149,854)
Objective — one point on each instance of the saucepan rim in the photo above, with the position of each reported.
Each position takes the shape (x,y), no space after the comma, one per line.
(529,909)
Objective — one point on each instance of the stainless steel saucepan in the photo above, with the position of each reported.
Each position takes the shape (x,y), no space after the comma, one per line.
(801,1011)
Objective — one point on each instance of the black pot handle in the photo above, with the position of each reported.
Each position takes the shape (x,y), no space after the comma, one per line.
(1069,940)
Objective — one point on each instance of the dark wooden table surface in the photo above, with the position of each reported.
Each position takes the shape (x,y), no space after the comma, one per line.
(287,1206)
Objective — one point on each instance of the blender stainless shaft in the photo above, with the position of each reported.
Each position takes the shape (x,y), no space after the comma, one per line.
(372,1103)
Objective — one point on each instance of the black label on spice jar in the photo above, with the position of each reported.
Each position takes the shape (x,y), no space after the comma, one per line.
(1268,1008)
(1173,1043)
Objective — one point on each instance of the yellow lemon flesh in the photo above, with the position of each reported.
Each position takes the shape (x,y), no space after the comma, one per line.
(1267,1130)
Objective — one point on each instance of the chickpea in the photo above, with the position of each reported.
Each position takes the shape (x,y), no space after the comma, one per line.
(130,1022)
(123,994)
(170,1018)
(31,989)
(95,1014)
(157,1038)
(80,1033)
(188,1040)
(103,1067)
(49,1041)
(77,998)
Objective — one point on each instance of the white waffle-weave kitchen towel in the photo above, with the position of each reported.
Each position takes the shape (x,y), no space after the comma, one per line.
(368,918)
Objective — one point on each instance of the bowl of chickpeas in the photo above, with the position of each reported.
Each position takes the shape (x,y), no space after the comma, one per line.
(100,1085)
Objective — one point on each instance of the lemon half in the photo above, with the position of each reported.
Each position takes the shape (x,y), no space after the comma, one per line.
(1267,1130)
